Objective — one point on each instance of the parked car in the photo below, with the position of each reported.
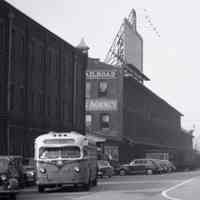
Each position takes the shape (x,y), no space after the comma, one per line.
(10,176)
(162,168)
(141,166)
(104,168)
(168,166)
(29,171)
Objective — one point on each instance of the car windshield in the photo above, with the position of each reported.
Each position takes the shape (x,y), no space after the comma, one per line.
(59,152)
(3,165)
(138,162)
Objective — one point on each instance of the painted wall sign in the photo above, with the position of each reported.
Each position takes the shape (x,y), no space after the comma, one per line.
(100,74)
(101,105)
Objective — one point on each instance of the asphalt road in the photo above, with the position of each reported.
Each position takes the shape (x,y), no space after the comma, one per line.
(174,186)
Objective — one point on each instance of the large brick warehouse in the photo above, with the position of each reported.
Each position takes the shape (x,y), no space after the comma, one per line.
(41,83)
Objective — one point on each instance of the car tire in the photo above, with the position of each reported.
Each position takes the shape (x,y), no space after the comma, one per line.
(95,182)
(170,170)
(149,171)
(122,172)
(41,188)
(12,197)
(86,186)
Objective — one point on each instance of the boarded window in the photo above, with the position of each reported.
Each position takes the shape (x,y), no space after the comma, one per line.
(88,89)
(103,89)
(105,121)
(88,120)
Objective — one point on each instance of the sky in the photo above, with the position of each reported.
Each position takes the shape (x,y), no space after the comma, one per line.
(171,61)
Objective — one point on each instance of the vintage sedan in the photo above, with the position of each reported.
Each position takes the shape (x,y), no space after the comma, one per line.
(29,171)
(140,166)
(29,174)
(167,165)
(104,168)
(9,177)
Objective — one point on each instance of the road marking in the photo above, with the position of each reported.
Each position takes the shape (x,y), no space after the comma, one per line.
(164,193)
(129,182)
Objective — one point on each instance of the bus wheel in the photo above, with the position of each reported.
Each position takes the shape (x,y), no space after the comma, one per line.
(40,188)
(12,196)
(86,186)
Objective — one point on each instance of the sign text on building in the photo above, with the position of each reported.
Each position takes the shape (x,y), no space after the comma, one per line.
(101,105)
(100,74)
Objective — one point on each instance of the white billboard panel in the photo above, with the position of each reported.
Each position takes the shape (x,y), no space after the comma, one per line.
(133,46)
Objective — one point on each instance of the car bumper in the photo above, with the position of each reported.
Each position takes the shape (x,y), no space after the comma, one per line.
(7,192)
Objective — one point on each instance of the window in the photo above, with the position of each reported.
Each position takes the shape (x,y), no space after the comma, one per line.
(22,100)
(48,100)
(57,113)
(85,151)
(41,103)
(12,96)
(1,96)
(32,101)
(88,89)
(103,89)
(59,152)
(105,121)
(88,120)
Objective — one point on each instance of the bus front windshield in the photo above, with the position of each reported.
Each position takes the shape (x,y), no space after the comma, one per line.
(59,152)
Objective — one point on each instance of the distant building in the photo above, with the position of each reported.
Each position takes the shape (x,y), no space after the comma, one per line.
(103,104)
(133,119)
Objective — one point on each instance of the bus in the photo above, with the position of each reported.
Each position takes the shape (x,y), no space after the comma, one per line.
(65,159)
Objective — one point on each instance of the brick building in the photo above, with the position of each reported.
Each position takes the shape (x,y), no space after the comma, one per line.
(133,119)
(42,83)
(103,103)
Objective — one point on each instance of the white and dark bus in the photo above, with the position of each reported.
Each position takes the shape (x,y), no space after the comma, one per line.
(64,159)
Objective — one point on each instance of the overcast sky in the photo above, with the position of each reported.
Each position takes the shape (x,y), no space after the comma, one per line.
(171,61)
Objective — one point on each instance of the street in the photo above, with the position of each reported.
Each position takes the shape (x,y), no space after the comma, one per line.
(174,186)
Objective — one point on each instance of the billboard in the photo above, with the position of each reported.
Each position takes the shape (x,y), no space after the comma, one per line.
(133,46)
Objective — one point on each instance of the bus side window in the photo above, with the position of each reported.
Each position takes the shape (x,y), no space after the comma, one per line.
(85,151)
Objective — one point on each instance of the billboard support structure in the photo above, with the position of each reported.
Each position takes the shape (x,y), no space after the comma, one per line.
(127,49)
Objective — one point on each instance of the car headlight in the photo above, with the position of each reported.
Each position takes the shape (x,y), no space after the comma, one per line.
(30,173)
(3,177)
(77,169)
(43,170)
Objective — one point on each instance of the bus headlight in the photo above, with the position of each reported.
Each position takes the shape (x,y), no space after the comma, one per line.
(43,170)
(3,177)
(77,169)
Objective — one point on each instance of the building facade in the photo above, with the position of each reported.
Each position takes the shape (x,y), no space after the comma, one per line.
(103,104)
(134,120)
(42,83)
